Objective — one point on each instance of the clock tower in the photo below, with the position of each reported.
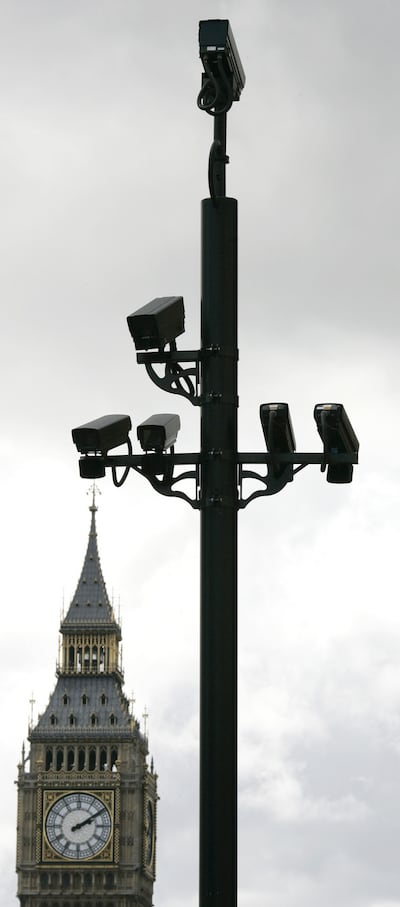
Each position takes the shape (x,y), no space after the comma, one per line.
(86,828)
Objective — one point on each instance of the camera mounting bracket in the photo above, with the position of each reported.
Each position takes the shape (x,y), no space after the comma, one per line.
(177,379)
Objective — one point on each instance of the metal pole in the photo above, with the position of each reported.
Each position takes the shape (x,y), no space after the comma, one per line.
(219,466)
(219,498)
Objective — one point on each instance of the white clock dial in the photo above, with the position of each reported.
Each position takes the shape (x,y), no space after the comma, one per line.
(78,826)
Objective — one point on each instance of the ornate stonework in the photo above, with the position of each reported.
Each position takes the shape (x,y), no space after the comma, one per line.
(87,801)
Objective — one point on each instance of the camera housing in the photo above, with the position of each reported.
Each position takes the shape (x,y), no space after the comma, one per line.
(157,323)
(101,435)
(338,436)
(158,432)
(279,436)
(217,42)
(277,427)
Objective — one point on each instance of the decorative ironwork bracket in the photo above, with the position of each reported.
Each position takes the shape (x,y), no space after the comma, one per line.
(272,483)
(157,468)
(165,485)
(280,470)
(176,378)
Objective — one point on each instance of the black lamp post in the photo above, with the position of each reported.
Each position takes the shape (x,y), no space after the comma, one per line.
(208,378)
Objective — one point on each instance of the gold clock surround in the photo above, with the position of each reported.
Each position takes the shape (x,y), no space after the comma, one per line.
(50,798)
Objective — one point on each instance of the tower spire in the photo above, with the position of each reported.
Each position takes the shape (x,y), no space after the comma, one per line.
(87,760)
(90,634)
(90,606)
(93,490)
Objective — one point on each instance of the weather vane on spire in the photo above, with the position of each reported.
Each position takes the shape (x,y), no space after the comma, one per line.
(93,490)
(32,702)
(145,716)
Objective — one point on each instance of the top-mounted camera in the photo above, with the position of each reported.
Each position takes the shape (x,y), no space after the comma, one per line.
(224,74)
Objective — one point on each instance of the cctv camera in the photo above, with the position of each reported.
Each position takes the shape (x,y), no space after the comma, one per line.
(223,67)
(101,435)
(277,427)
(338,436)
(159,322)
(159,432)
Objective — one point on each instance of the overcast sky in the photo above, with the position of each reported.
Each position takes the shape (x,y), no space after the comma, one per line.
(103,163)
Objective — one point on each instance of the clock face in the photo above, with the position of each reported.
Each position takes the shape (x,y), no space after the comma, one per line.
(149,823)
(78,826)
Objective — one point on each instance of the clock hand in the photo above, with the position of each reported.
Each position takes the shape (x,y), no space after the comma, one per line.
(88,820)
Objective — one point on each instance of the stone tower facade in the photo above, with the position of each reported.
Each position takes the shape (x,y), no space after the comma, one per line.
(86,827)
